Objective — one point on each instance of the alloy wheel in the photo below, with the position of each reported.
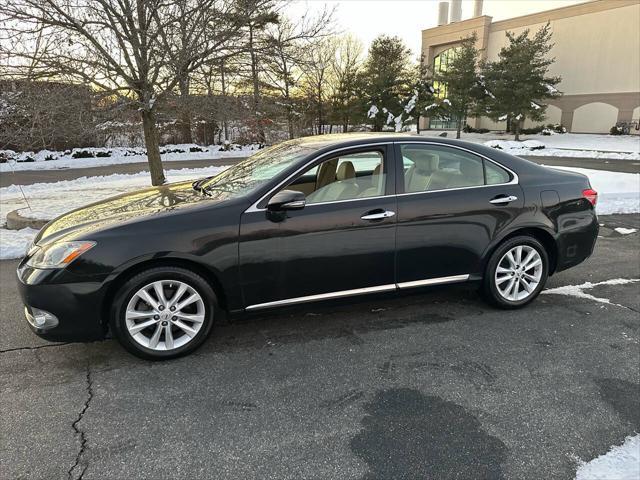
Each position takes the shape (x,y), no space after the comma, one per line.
(165,315)
(518,273)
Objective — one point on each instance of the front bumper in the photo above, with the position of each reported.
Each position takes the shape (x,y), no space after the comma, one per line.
(73,302)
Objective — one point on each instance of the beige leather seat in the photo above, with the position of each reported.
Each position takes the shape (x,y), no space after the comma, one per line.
(471,175)
(419,174)
(344,187)
(377,182)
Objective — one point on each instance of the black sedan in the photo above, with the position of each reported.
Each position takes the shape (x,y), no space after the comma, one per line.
(311,219)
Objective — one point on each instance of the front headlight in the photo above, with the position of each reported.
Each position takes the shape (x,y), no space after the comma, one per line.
(58,255)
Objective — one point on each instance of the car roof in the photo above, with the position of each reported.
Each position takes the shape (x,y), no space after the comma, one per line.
(321,143)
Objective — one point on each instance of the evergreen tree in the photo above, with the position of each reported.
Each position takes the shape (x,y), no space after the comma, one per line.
(518,82)
(422,95)
(459,83)
(386,80)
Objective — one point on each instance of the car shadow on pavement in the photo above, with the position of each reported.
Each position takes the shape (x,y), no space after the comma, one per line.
(407,434)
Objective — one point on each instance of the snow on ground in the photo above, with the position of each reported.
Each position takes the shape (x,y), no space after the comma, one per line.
(620,463)
(579,290)
(49,200)
(617,192)
(581,145)
(48,160)
(14,243)
(625,231)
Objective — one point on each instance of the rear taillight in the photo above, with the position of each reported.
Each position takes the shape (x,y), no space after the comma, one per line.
(591,195)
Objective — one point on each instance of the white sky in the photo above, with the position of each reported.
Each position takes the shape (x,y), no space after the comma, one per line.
(366,19)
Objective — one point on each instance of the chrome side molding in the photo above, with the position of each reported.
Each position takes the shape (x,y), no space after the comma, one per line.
(433,281)
(359,291)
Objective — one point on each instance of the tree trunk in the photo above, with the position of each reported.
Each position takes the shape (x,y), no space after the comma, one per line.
(225,123)
(256,89)
(418,125)
(184,116)
(517,131)
(459,127)
(152,144)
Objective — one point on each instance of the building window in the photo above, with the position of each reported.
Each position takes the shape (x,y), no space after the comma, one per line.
(440,64)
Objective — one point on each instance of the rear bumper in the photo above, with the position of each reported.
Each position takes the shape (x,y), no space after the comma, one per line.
(74,304)
(577,239)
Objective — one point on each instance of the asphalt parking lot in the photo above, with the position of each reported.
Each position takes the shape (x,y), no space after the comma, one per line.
(430,385)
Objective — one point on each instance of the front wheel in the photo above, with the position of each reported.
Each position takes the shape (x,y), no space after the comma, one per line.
(516,272)
(163,313)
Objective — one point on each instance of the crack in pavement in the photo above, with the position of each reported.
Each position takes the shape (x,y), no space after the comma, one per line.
(37,347)
(81,433)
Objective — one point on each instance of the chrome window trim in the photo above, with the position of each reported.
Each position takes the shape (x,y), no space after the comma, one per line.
(254,206)
(359,291)
(515,180)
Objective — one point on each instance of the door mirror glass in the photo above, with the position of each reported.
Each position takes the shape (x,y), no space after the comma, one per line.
(286,200)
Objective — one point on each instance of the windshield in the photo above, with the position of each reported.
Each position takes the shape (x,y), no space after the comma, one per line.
(258,169)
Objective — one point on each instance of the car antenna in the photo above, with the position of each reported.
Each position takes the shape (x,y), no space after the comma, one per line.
(20,186)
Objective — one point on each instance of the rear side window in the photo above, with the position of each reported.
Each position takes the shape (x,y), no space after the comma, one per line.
(434,167)
(495,174)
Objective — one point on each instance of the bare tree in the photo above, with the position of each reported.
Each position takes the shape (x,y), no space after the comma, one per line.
(287,43)
(318,80)
(138,50)
(346,67)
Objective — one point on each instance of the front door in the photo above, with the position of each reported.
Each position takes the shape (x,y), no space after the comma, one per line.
(341,243)
(451,205)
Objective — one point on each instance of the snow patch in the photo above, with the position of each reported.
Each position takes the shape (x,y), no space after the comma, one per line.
(625,231)
(578,290)
(373,111)
(99,156)
(14,243)
(620,463)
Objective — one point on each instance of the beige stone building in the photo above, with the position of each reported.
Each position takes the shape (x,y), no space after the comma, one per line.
(597,54)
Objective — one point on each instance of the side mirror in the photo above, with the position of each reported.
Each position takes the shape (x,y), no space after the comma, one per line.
(286,200)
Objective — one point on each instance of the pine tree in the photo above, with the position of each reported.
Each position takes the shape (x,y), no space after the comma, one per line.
(422,95)
(518,82)
(386,80)
(458,83)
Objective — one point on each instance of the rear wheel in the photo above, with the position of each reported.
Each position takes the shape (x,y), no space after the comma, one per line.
(516,272)
(163,313)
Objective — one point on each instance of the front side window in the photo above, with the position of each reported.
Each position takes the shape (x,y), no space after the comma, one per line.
(432,167)
(345,177)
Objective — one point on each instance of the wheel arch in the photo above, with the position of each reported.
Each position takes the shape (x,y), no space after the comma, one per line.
(132,270)
(540,234)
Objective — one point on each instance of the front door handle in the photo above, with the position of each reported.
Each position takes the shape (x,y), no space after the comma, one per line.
(377,215)
(503,200)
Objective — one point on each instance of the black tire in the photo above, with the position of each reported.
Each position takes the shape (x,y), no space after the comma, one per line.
(131,286)
(489,287)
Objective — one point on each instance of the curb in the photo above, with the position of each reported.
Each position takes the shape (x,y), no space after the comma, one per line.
(15,221)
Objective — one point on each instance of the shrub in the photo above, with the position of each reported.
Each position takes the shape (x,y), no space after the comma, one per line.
(103,154)
(196,149)
(532,131)
(616,130)
(82,154)
(469,129)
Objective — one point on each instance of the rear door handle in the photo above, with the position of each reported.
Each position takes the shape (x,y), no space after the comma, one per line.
(377,215)
(503,200)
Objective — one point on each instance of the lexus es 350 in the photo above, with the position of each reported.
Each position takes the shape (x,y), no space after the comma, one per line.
(312,219)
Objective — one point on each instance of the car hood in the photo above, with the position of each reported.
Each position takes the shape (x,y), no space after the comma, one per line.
(124,208)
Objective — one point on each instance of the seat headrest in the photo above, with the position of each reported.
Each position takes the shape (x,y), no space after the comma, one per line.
(425,162)
(377,170)
(345,171)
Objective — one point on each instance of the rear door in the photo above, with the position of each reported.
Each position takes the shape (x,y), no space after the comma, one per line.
(341,243)
(451,204)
